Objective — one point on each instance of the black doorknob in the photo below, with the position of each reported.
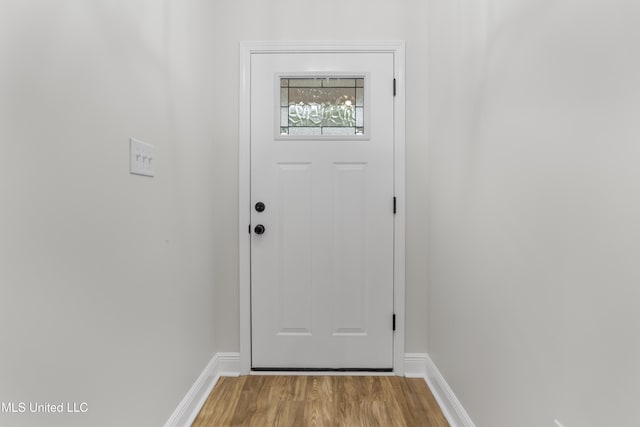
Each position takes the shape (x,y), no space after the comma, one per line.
(260,207)
(259,229)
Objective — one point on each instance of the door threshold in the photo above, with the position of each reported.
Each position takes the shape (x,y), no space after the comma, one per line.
(323,371)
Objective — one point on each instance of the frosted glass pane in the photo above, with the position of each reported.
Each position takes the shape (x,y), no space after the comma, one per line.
(359,82)
(305,131)
(321,115)
(339,83)
(334,106)
(322,96)
(338,131)
(305,83)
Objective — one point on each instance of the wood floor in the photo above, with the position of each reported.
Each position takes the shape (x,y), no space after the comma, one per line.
(300,401)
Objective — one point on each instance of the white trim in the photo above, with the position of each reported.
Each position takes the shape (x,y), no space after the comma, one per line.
(221,364)
(415,365)
(449,403)
(244,198)
(244,206)
(400,217)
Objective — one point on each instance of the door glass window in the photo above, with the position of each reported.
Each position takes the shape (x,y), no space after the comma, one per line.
(322,106)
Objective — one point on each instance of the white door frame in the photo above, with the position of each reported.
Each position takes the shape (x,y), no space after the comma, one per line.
(263,47)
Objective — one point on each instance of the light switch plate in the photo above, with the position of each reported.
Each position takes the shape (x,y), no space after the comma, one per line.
(142,158)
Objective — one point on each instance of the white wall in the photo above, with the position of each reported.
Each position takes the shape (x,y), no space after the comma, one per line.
(106,278)
(534,207)
(244,20)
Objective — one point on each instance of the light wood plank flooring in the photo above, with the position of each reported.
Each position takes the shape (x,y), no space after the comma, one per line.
(300,401)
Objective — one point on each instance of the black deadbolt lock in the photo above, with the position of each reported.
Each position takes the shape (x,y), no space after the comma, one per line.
(259,229)
(260,206)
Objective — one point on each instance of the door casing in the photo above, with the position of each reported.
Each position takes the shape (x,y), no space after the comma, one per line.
(247,49)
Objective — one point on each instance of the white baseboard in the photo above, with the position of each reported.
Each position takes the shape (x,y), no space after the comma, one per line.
(420,365)
(221,364)
(415,365)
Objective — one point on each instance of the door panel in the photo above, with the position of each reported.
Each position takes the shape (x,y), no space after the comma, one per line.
(322,272)
(349,282)
(295,243)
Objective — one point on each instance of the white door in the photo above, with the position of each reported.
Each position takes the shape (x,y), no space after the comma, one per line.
(322,210)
